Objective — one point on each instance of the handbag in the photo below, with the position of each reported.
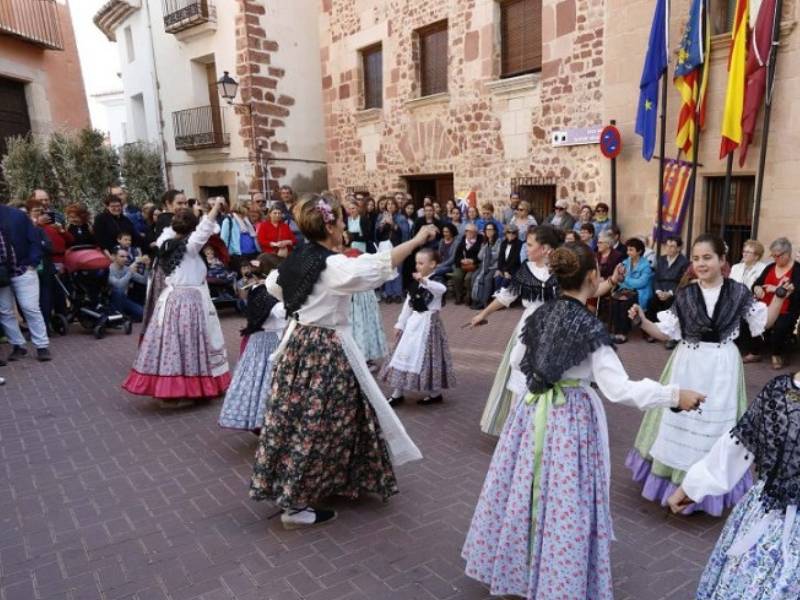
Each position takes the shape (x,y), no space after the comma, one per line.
(468,267)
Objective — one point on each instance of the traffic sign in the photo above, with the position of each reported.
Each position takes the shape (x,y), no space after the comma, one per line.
(610,142)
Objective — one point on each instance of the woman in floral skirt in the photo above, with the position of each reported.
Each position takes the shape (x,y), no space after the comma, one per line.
(542,526)
(328,429)
(182,356)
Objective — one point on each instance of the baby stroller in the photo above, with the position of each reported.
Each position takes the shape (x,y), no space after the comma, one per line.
(222,285)
(85,285)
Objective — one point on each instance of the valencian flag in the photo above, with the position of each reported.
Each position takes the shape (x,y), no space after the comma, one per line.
(655,65)
(677,189)
(734,96)
(694,51)
(756,73)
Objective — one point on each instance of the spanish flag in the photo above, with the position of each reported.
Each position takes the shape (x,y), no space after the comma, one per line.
(734,96)
(694,51)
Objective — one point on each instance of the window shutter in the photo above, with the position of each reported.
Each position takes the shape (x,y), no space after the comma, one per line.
(372,63)
(521,34)
(433,55)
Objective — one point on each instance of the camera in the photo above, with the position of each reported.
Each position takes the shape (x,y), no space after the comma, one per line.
(781,292)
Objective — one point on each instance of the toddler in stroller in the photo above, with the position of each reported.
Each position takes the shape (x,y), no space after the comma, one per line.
(220,279)
(85,284)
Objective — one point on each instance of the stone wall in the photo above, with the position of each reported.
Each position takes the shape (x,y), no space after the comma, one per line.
(485,130)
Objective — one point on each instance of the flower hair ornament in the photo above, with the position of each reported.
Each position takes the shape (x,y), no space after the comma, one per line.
(326,211)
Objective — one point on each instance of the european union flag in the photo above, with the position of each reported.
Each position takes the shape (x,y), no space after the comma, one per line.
(655,65)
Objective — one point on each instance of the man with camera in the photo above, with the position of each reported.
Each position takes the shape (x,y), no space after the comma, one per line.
(20,255)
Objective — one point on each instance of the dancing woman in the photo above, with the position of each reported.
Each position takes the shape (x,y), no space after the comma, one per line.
(328,429)
(182,356)
(534,285)
(542,526)
(706,317)
(757,555)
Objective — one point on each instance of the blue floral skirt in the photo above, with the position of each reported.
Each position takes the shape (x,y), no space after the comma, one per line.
(365,318)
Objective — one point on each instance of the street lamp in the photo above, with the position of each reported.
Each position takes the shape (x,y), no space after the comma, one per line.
(228,87)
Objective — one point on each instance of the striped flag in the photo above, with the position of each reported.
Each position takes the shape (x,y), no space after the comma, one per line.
(734,96)
(694,51)
(677,188)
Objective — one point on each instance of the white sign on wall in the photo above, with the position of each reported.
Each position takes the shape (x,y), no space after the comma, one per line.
(576,136)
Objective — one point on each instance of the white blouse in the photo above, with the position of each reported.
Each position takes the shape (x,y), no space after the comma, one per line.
(328,305)
(192,270)
(276,320)
(435,305)
(719,471)
(604,368)
(747,275)
(506,297)
(756,317)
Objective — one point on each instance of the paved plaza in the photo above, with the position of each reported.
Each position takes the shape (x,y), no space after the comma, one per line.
(107,496)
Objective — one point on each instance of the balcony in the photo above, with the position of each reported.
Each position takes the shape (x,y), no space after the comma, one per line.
(35,21)
(200,128)
(180,15)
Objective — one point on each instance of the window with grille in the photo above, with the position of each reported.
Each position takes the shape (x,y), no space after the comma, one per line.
(372,67)
(738,213)
(721,14)
(433,58)
(521,37)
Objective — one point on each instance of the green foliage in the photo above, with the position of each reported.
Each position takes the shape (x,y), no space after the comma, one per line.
(26,167)
(80,166)
(141,172)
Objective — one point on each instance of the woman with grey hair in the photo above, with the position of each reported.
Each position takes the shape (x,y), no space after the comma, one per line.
(784,268)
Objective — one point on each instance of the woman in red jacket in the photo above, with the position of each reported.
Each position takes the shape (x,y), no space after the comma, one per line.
(274,235)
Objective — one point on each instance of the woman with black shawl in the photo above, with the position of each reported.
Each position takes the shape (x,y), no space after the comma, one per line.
(182,356)
(542,526)
(328,429)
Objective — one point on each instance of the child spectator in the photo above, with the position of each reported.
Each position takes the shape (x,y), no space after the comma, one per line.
(120,276)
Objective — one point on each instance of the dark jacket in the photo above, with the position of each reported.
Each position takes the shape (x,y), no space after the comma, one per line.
(794,299)
(473,253)
(512,263)
(607,268)
(20,232)
(667,277)
(107,227)
(367,234)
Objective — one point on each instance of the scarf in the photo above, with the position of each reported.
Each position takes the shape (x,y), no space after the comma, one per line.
(259,306)
(698,326)
(558,336)
(532,289)
(770,430)
(171,254)
(245,226)
(419,297)
(298,274)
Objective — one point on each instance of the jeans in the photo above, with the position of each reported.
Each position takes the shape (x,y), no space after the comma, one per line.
(126,306)
(26,290)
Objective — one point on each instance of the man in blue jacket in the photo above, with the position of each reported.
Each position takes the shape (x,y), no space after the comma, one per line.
(21,253)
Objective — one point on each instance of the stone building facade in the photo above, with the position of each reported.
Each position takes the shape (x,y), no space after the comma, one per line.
(494,134)
(272,131)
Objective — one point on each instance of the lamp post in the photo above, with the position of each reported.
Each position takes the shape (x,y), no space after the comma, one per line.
(228,87)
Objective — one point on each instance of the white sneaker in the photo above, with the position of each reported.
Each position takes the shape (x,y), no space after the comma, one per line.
(299,518)
(2,381)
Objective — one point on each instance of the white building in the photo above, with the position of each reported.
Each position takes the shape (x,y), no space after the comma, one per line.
(172,53)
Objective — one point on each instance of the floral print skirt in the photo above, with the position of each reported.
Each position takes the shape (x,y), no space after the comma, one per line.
(320,435)
(437,371)
(563,550)
(760,573)
(248,395)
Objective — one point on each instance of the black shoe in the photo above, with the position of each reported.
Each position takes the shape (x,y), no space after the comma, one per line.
(395,400)
(43,355)
(670,344)
(431,400)
(302,518)
(17,352)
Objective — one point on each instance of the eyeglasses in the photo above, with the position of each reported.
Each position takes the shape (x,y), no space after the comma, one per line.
(520,209)
(559,208)
(777,256)
(600,210)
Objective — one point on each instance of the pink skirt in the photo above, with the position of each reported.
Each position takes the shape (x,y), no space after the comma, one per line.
(182,354)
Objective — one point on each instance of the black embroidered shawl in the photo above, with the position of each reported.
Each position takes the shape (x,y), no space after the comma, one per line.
(770,429)
(529,287)
(259,306)
(299,272)
(558,336)
(171,253)
(735,300)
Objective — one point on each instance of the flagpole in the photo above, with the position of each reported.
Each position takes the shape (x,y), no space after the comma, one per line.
(762,159)
(662,157)
(698,106)
(726,194)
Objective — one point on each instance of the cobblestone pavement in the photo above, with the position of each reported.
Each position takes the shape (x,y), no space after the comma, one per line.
(107,496)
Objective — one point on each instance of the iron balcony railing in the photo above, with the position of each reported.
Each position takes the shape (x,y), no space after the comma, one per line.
(201,127)
(183,14)
(34,21)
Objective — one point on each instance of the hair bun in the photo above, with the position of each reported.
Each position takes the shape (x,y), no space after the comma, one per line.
(564,263)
